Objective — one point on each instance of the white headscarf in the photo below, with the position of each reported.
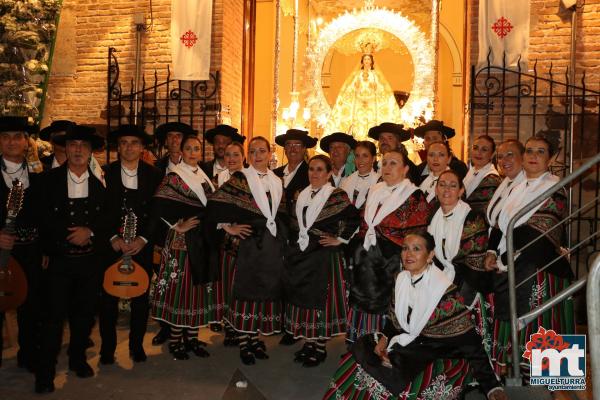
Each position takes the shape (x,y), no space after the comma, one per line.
(447,231)
(500,195)
(315,205)
(429,184)
(361,184)
(423,298)
(193,177)
(523,194)
(390,198)
(474,178)
(259,188)
(223,177)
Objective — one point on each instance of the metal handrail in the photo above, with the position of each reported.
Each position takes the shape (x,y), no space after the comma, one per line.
(593,312)
(510,248)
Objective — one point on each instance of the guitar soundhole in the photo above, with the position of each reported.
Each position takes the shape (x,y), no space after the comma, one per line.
(125,283)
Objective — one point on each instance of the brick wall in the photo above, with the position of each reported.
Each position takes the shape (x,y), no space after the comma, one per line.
(77,86)
(550,35)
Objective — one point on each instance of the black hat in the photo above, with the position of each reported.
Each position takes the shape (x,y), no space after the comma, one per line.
(337,137)
(397,129)
(161,131)
(60,125)
(223,130)
(435,125)
(296,134)
(81,132)
(129,130)
(16,124)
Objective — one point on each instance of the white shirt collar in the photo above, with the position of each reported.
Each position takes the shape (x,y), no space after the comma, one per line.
(15,171)
(129,177)
(77,185)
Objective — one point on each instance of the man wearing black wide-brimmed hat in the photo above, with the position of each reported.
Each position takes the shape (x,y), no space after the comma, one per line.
(294,174)
(339,145)
(436,131)
(73,235)
(23,240)
(220,137)
(170,135)
(130,185)
(390,137)
(49,134)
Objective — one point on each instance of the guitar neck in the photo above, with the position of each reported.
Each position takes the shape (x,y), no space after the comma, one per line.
(9,227)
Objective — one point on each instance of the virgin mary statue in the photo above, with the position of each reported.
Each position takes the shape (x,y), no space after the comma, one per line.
(365,100)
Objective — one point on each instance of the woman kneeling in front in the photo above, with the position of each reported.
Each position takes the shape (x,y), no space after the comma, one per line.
(429,346)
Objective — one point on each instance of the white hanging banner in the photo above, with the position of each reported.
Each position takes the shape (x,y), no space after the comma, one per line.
(503,28)
(191,23)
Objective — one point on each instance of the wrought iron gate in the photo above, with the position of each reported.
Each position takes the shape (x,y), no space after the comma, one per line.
(510,103)
(196,103)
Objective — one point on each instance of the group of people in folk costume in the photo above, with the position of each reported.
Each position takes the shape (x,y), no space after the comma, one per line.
(407,261)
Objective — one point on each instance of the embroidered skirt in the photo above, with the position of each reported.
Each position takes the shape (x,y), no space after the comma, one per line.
(176,300)
(483,319)
(559,318)
(441,379)
(361,323)
(314,323)
(223,286)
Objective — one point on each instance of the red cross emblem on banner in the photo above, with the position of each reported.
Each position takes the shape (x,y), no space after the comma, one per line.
(502,27)
(189,39)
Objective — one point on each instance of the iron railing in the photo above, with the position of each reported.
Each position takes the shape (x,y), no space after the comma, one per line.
(518,323)
(196,103)
(508,103)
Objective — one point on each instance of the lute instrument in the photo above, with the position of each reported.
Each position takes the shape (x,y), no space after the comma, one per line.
(13,282)
(126,278)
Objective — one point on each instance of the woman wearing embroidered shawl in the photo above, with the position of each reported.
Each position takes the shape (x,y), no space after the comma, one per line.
(438,159)
(234,160)
(482,178)
(357,185)
(539,285)
(247,206)
(183,292)
(315,291)
(394,208)
(461,237)
(428,349)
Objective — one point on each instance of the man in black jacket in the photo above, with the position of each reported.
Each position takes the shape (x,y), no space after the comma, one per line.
(49,134)
(170,135)
(73,232)
(130,185)
(295,173)
(220,137)
(390,137)
(436,131)
(22,239)
(339,145)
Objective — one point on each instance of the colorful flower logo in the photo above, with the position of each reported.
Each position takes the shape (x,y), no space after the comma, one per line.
(545,339)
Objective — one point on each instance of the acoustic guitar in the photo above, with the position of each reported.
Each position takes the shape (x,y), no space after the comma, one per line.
(126,278)
(13,282)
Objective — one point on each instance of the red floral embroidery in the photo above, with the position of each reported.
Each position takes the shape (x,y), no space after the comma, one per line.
(544,339)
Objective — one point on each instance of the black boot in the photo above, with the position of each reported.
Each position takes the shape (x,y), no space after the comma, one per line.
(230,337)
(288,339)
(197,347)
(317,356)
(246,354)
(301,355)
(178,350)
(162,335)
(259,348)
